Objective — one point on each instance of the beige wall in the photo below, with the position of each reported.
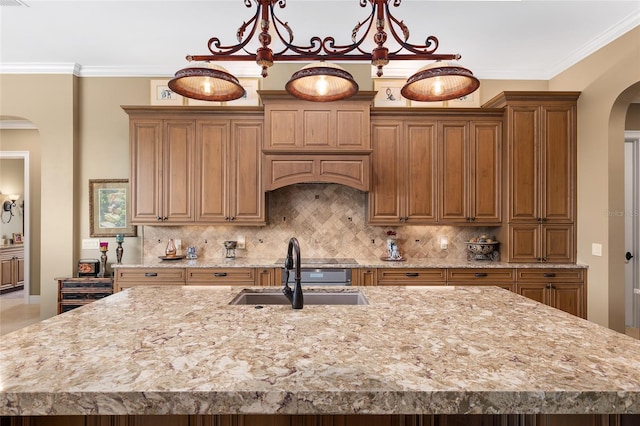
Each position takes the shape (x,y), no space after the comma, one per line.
(632,120)
(608,80)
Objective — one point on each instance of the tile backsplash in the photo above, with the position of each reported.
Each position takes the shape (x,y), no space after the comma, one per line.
(329,220)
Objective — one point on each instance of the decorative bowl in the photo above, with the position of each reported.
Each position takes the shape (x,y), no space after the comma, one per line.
(483,251)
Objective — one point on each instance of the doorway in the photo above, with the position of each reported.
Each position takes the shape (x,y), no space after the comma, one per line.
(632,232)
(24,156)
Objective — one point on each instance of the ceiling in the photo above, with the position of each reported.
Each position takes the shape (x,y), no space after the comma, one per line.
(527,39)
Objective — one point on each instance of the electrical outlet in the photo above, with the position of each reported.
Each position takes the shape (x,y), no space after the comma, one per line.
(178,244)
(241,242)
(636,291)
(596,249)
(90,244)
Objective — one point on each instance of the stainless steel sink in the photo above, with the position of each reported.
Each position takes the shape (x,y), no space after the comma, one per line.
(251,297)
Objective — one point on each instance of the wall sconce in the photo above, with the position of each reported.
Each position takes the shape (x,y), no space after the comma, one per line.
(8,206)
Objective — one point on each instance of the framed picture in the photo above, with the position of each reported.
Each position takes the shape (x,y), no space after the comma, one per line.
(109,208)
(162,95)
(17,238)
(251,98)
(389,93)
(198,102)
(472,100)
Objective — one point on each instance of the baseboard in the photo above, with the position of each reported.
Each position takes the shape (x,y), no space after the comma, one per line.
(34,299)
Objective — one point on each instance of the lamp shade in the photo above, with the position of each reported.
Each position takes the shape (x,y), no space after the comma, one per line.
(207,82)
(440,81)
(322,82)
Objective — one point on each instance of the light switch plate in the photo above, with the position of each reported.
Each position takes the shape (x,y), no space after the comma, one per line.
(241,242)
(596,249)
(90,243)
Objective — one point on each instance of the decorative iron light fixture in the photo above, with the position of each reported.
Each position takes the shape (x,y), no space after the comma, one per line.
(324,81)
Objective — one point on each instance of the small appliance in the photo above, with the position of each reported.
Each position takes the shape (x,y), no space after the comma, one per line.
(88,267)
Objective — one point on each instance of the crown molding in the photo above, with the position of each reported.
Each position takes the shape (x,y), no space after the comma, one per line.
(39,68)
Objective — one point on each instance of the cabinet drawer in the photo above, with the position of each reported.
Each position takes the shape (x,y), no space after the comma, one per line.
(550,275)
(475,275)
(411,276)
(221,276)
(87,295)
(151,275)
(77,285)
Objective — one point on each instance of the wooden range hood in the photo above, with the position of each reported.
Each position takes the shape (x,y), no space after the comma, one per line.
(311,142)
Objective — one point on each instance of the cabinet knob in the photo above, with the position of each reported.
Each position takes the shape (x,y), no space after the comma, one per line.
(158,218)
(233,218)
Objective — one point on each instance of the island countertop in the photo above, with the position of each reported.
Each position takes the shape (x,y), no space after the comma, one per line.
(412,350)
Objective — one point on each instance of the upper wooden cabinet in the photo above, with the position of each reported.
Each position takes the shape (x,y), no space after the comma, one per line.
(430,168)
(293,125)
(162,170)
(470,171)
(196,166)
(228,172)
(403,185)
(540,184)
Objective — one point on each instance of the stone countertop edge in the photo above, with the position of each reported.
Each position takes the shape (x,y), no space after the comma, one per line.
(360,263)
(412,350)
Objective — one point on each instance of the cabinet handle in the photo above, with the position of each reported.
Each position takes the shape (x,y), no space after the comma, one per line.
(473,219)
(544,219)
(151,274)
(548,286)
(553,286)
(220,274)
(544,259)
(233,218)
(226,218)
(549,275)
(158,218)
(412,274)
(481,275)
(539,219)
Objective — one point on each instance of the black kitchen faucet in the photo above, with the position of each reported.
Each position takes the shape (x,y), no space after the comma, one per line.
(295,295)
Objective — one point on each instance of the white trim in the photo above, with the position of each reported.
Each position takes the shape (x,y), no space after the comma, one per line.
(39,68)
(24,155)
(33,300)
(17,125)
(633,137)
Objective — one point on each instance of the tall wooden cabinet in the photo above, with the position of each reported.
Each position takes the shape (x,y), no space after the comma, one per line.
(11,266)
(196,166)
(540,183)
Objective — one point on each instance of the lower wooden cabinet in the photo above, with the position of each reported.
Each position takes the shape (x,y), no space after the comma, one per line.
(132,277)
(221,276)
(11,266)
(411,276)
(501,277)
(563,289)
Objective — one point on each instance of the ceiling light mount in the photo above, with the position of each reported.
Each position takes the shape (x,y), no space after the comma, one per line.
(380,24)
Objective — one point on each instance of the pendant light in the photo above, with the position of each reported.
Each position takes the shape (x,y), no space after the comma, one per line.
(440,81)
(322,82)
(207,82)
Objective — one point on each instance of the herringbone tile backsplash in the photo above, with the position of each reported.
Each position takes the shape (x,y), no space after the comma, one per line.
(329,220)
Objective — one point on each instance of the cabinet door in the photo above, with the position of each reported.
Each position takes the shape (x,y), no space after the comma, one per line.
(523,158)
(177,173)
(558,164)
(420,166)
(524,243)
(453,171)
(558,243)
(245,170)
(366,277)
(568,297)
(212,195)
(7,272)
(19,262)
(535,291)
(387,173)
(486,172)
(146,179)
(266,277)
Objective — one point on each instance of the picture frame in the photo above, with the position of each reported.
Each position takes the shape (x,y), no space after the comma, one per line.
(109,208)
(389,93)
(162,95)
(17,238)
(251,98)
(419,104)
(198,102)
(471,100)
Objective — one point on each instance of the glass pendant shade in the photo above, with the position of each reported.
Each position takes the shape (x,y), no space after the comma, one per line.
(207,82)
(322,82)
(440,81)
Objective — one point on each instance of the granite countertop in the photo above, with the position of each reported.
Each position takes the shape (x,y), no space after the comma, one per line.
(446,350)
(359,263)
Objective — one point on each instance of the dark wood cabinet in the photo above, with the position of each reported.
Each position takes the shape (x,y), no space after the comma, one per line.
(561,288)
(76,292)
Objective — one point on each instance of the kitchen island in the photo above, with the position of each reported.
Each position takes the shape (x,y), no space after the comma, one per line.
(447,350)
